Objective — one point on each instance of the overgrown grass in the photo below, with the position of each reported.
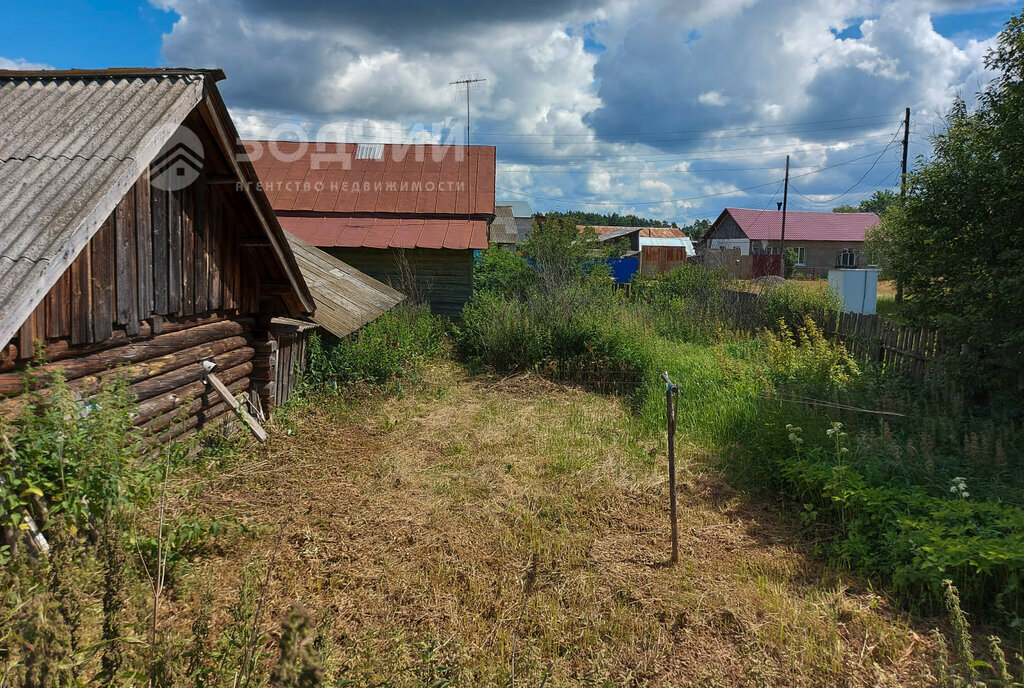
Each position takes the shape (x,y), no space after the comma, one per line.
(391,350)
(497,530)
(738,393)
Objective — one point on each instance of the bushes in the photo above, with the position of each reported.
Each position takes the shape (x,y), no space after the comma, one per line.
(915,540)
(394,347)
(500,271)
(82,463)
(579,333)
(808,361)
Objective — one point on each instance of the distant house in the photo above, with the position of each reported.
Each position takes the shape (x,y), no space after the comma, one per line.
(408,215)
(671,237)
(821,240)
(639,237)
(523,214)
(503,230)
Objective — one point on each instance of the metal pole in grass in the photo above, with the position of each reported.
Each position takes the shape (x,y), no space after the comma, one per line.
(672,393)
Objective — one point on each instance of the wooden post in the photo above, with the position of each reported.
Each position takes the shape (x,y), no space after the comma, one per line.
(672,393)
(226,394)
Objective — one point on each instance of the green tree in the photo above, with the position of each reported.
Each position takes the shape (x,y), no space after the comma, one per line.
(580,217)
(562,254)
(957,242)
(878,203)
(697,230)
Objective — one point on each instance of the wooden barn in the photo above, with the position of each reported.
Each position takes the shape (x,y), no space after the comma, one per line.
(133,234)
(408,215)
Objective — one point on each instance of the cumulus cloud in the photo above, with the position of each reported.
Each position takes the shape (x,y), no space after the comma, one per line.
(712,98)
(629,105)
(7,63)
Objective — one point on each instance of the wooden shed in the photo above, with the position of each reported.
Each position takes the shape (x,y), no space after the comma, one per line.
(408,215)
(345,298)
(133,235)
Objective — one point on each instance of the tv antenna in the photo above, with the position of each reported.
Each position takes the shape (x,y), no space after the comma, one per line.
(467,80)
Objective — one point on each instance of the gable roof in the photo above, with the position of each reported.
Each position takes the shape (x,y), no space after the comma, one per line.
(420,179)
(800,225)
(347,183)
(346,299)
(520,208)
(603,231)
(503,229)
(71,145)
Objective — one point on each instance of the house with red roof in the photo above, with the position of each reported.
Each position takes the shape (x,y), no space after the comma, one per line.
(410,216)
(822,241)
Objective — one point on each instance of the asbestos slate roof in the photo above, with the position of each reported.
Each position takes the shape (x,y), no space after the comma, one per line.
(503,229)
(70,148)
(346,299)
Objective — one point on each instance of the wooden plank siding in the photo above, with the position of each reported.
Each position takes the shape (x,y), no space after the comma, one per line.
(158,254)
(442,278)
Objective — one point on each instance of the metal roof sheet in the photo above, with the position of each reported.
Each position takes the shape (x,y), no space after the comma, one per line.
(801,225)
(503,229)
(345,298)
(422,179)
(519,208)
(683,242)
(70,147)
(387,232)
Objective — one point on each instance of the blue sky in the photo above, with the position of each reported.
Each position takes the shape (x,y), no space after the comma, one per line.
(653,107)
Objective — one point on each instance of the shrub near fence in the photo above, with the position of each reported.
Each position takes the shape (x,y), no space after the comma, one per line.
(917,352)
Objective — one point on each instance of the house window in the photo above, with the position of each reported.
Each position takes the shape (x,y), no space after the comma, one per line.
(848,258)
(801,256)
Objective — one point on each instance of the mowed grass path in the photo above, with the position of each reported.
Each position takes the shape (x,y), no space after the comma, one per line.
(486,531)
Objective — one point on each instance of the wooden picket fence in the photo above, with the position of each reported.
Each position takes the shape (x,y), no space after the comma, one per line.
(917,352)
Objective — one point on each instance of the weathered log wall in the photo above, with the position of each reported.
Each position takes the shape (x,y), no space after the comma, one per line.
(171,278)
(163,373)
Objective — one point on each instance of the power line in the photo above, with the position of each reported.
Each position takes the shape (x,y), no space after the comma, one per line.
(365,124)
(857,183)
(677,200)
(691,170)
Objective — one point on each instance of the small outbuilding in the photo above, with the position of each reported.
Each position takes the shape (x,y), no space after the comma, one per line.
(134,235)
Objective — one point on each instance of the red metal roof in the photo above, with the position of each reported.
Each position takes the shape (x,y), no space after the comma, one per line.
(802,226)
(387,232)
(416,179)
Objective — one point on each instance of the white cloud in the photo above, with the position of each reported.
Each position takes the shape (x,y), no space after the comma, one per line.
(712,98)
(20,64)
(596,125)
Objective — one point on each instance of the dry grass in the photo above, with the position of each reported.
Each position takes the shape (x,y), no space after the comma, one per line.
(482,531)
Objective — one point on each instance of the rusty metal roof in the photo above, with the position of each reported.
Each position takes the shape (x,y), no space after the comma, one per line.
(346,299)
(69,150)
(71,144)
(387,232)
(503,229)
(418,179)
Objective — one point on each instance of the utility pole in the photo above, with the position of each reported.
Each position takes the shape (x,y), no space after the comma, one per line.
(782,243)
(903,183)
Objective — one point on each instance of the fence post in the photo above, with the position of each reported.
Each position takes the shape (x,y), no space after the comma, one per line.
(671,405)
